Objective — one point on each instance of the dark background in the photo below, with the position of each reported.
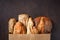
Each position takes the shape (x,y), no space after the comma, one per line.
(11,8)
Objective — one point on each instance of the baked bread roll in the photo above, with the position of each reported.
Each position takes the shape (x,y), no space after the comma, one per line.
(31,29)
(44,24)
(23,18)
(29,25)
(11,24)
(19,28)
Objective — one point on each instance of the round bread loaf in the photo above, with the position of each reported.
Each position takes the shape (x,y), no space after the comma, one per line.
(44,24)
(19,28)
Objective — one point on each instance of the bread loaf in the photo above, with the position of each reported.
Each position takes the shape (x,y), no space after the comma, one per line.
(23,18)
(44,24)
(19,28)
(29,25)
(11,24)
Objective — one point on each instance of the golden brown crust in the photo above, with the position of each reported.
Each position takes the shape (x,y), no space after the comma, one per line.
(11,24)
(44,24)
(19,28)
(26,24)
(34,30)
(37,20)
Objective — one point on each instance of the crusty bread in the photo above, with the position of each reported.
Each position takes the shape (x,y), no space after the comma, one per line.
(37,20)
(29,25)
(19,28)
(23,18)
(11,24)
(31,29)
(40,26)
(44,24)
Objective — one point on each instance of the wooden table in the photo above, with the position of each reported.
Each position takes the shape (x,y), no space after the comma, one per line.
(29,36)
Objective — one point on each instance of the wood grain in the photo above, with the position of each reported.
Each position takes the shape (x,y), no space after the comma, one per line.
(29,37)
